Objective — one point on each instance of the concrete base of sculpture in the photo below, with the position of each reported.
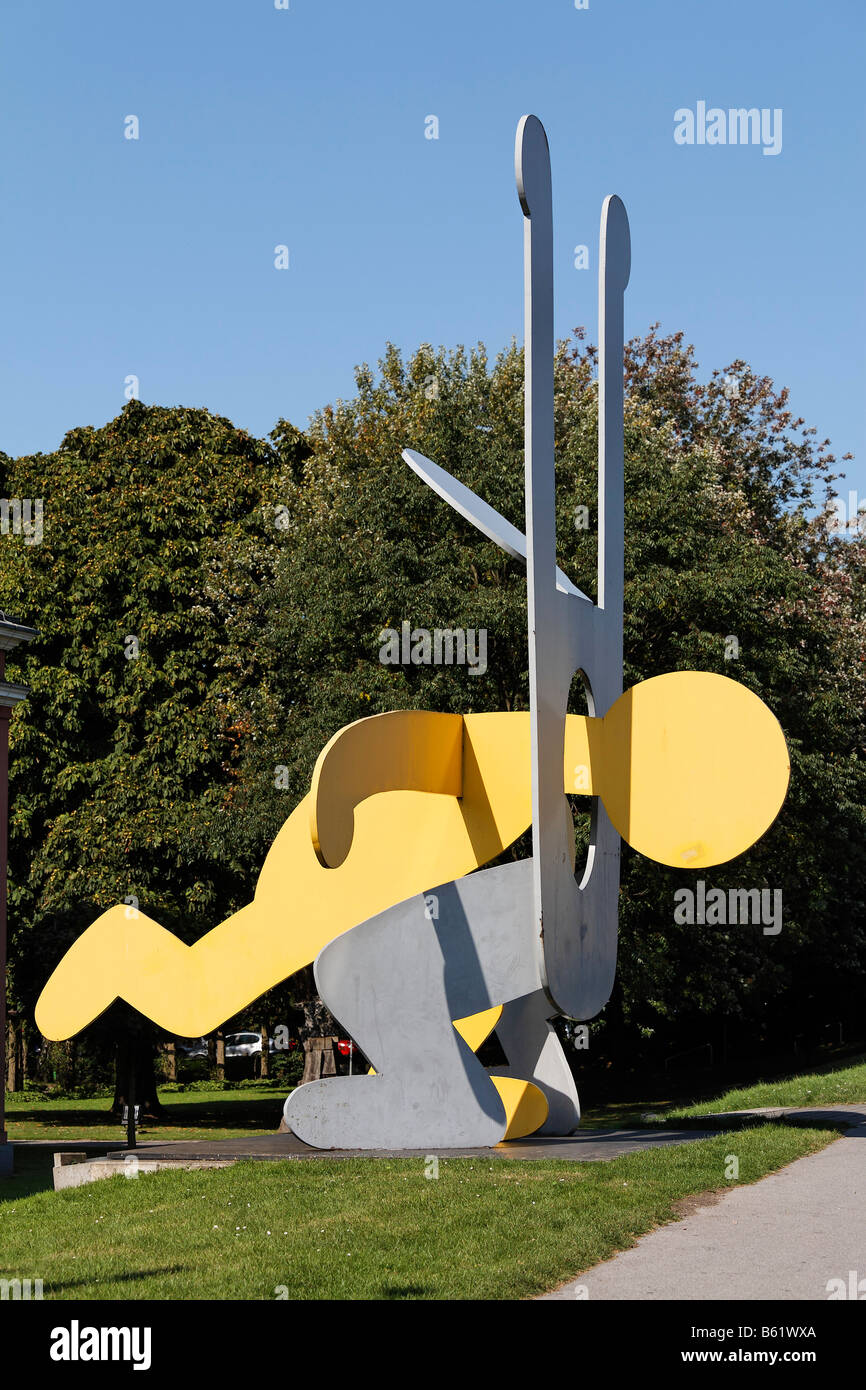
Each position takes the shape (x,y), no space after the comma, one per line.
(7,1161)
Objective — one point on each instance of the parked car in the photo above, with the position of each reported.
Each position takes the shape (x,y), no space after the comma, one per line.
(243,1044)
(237,1045)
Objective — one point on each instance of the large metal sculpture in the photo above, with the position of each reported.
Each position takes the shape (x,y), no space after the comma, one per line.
(371,876)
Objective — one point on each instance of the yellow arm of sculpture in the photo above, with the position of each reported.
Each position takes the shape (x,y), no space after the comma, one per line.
(692,769)
(407,750)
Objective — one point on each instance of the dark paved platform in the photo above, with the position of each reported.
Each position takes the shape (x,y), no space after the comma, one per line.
(585,1146)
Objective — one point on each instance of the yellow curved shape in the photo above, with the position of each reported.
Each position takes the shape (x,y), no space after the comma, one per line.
(475,1029)
(405,750)
(526,1106)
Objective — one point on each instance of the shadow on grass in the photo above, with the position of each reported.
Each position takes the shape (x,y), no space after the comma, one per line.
(624,1114)
(207,1114)
(52,1288)
(33,1173)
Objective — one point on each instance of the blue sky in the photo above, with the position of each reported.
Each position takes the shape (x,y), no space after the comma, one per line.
(306,127)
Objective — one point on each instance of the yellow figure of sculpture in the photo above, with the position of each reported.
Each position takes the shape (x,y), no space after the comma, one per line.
(692,768)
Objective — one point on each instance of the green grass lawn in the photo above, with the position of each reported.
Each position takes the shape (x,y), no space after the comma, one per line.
(363,1228)
(189,1115)
(840,1086)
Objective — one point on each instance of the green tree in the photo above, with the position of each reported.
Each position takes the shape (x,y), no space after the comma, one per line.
(126,754)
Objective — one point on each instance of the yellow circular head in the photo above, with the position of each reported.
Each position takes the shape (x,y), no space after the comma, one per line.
(694,768)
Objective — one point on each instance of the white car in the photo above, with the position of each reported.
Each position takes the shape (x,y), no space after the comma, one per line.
(243,1044)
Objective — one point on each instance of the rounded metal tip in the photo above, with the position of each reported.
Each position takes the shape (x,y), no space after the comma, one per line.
(532,165)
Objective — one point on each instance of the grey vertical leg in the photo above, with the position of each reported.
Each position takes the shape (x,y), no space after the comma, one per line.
(575,925)
(586,957)
(535,1054)
(554,889)
(395,983)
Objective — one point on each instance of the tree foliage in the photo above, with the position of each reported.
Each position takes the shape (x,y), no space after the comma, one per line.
(258,578)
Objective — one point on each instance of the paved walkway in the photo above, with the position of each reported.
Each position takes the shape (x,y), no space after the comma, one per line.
(784,1237)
